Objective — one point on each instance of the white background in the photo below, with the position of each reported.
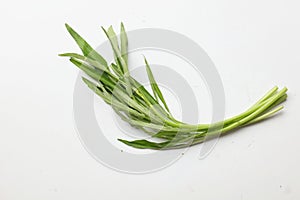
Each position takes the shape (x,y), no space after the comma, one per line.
(254,45)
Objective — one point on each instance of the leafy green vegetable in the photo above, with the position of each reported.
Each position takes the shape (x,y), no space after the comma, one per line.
(135,105)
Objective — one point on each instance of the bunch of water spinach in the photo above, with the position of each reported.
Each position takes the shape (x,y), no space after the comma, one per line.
(149,112)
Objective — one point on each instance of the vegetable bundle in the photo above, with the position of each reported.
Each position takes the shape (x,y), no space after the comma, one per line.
(150,113)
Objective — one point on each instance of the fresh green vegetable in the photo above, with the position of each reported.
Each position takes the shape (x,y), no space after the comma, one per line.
(135,105)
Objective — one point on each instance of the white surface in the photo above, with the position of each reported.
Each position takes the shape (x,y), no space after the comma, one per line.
(254,44)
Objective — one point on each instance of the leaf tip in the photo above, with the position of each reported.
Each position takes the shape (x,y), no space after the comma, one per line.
(122,26)
(63,54)
(85,80)
(145,60)
(104,30)
(123,141)
(68,27)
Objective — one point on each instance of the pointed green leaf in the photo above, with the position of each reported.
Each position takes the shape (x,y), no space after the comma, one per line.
(122,64)
(156,91)
(86,49)
(116,69)
(103,94)
(124,43)
(144,144)
(111,35)
(147,97)
(92,62)
(93,73)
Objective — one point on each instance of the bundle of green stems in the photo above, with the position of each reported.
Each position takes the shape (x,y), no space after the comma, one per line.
(149,112)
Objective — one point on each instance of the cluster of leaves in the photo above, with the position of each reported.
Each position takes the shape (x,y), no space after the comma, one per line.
(150,113)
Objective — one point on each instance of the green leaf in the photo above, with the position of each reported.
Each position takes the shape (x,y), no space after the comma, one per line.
(93,73)
(116,69)
(156,91)
(103,94)
(94,63)
(86,49)
(144,144)
(116,104)
(124,43)
(147,97)
(111,35)
(123,66)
